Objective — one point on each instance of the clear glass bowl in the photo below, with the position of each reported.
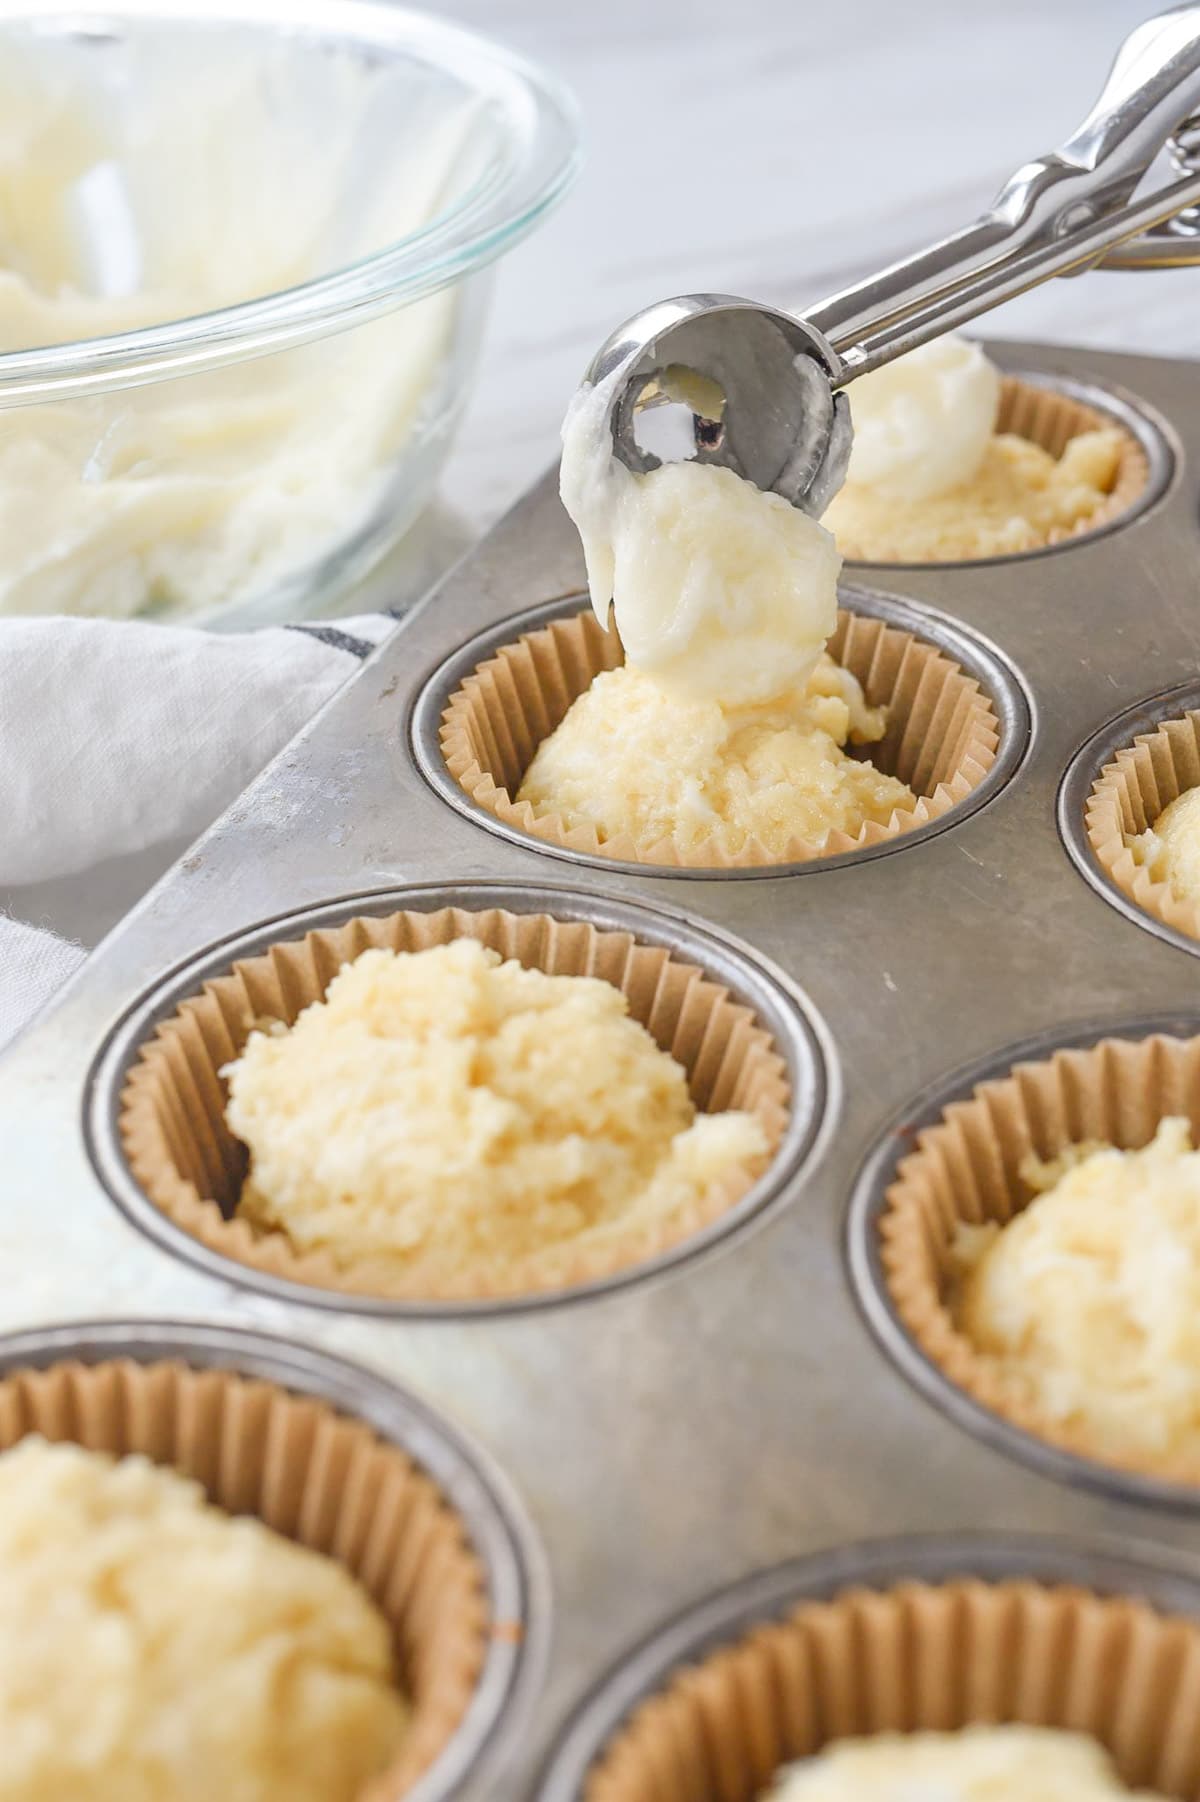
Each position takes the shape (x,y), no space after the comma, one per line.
(242,283)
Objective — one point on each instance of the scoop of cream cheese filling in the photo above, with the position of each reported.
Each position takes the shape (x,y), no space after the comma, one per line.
(721,736)
(923,423)
(721,592)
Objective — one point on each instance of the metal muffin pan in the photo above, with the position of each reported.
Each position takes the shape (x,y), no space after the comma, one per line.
(1081,773)
(970,650)
(496,1524)
(800,1038)
(769,1595)
(736,1411)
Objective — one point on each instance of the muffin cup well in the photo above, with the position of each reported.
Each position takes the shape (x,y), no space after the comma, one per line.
(1051,418)
(966,1167)
(934,1656)
(1128,796)
(185,1158)
(310,1472)
(942,735)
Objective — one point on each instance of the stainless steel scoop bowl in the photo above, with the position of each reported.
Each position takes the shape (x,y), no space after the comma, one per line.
(775,419)
(765,389)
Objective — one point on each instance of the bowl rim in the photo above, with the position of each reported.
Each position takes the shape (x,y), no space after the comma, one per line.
(539,128)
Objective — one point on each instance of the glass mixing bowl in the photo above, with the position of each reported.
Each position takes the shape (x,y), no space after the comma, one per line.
(244,262)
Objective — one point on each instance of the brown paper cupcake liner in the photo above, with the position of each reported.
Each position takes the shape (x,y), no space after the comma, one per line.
(967,1168)
(1128,796)
(312,1474)
(1051,419)
(186,1159)
(942,734)
(919,1656)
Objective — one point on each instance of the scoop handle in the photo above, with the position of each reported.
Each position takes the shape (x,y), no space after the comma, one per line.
(1055,215)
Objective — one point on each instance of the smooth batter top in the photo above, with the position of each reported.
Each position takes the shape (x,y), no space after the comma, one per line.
(156,1649)
(634,759)
(724,729)
(442,1114)
(976,1764)
(1090,1297)
(1170,849)
(930,480)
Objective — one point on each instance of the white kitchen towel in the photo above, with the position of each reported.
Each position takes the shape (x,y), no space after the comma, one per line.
(33,964)
(115,737)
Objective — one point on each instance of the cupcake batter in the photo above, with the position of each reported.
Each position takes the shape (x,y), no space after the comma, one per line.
(635,759)
(1170,849)
(152,1646)
(1090,1297)
(930,479)
(442,1116)
(724,730)
(976,1764)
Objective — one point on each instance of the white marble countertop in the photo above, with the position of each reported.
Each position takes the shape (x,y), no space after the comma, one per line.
(775,148)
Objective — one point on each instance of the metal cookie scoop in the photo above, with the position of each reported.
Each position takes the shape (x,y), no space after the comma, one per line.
(765,389)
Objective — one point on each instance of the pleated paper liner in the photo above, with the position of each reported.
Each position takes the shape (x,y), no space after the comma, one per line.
(179,1148)
(967,1168)
(942,734)
(313,1474)
(919,1656)
(1051,419)
(1128,796)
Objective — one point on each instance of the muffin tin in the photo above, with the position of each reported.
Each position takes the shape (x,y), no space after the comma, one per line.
(1086,769)
(746,1402)
(344,1464)
(1039,1628)
(871,1238)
